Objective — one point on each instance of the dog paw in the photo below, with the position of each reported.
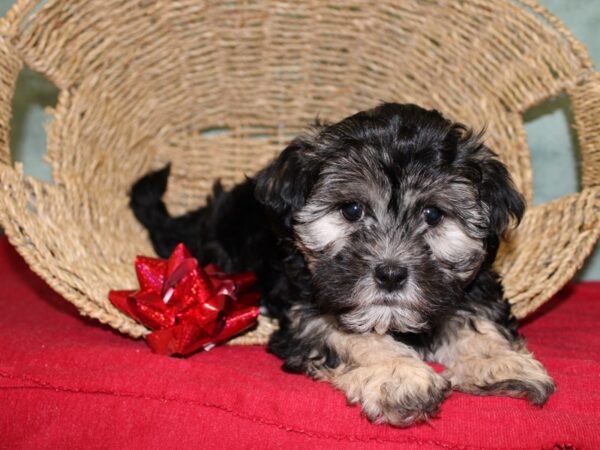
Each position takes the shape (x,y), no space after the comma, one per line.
(396,394)
(517,375)
(535,391)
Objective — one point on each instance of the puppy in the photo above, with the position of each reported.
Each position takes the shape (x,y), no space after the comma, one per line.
(373,241)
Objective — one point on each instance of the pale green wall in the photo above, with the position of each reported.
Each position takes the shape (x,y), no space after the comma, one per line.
(548,125)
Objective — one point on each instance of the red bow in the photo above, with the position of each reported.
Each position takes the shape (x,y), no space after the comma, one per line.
(188,308)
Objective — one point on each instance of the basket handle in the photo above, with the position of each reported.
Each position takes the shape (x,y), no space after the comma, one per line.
(10,68)
(9,72)
(584,94)
(585,103)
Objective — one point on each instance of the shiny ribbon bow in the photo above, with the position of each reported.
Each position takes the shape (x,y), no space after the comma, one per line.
(188,307)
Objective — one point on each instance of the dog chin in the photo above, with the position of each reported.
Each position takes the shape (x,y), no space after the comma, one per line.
(382,318)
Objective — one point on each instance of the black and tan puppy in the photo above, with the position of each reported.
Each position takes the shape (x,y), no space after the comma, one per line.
(373,240)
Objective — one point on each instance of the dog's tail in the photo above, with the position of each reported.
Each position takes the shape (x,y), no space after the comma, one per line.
(150,210)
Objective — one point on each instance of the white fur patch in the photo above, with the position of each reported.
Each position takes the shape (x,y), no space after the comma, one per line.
(329,230)
(449,242)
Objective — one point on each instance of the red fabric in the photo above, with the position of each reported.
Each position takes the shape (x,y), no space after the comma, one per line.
(66,382)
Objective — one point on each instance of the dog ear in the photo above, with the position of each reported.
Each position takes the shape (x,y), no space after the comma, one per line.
(504,203)
(284,185)
(497,192)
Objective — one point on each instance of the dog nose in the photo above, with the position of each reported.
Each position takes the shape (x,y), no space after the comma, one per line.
(390,276)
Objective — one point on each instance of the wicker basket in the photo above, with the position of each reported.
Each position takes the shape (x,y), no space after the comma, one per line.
(219,87)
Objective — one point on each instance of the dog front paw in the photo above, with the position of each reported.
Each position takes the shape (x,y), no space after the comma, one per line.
(515,375)
(395,393)
(535,391)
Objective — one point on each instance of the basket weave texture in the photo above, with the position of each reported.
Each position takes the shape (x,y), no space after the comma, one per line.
(218,89)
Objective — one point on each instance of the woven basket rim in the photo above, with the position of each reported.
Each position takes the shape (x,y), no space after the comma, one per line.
(584,81)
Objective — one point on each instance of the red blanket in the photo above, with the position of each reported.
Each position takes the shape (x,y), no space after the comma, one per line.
(67,382)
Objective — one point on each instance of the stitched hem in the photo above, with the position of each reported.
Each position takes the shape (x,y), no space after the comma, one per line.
(40,384)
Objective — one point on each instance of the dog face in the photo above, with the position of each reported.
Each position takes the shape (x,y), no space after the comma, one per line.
(395,211)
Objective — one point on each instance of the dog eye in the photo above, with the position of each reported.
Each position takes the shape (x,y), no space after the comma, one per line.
(352,211)
(432,215)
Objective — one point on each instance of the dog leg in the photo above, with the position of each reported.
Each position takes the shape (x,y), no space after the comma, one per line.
(481,360)
(389,379)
